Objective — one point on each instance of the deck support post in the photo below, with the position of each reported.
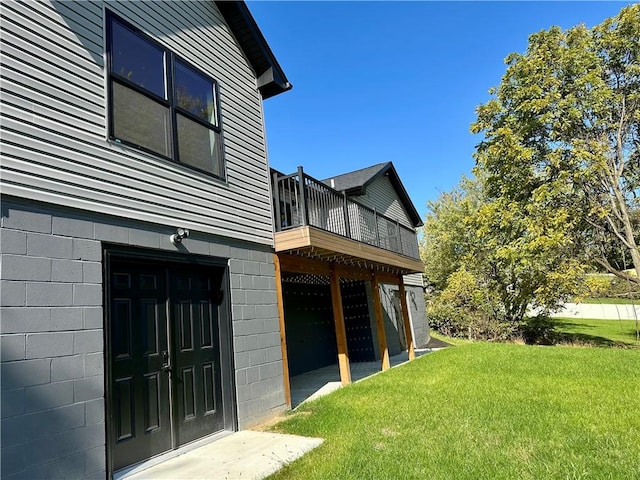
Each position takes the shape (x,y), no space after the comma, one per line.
(283,336)
(405,318)
(341,332)
(377,308)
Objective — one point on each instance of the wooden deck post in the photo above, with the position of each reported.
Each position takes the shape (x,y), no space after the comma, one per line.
(405,318)
(283,335)
(377,307)
(341,332)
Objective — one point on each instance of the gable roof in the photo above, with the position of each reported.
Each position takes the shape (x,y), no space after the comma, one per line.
(356,182)
(271,78)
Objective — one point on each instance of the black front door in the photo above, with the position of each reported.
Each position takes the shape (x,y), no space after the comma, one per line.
(164,356)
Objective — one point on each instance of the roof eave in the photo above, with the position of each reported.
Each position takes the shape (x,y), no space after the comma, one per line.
(271,79)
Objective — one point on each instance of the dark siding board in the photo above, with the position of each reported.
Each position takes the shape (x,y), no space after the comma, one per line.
(32,45)
(81,21)
(26,76)
(253,118)
(250,175)
(32,65)
(133,180)
(382,196)
(244,143)
(84,13)
(54,76)
(37,18)
(115,196)
(88,175)
(29,108)
(172,217)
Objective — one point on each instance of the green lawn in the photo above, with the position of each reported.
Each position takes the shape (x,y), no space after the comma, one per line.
(597,332)
(480,411)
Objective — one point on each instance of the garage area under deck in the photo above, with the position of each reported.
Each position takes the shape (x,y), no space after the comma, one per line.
(332,255)
(324,298)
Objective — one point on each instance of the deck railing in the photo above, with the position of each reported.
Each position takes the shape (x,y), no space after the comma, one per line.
(301,200)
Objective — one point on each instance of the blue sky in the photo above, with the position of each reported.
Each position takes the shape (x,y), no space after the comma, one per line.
(395,81)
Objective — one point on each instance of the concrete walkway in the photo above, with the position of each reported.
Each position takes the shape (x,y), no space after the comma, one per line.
(245,455)
(600,311)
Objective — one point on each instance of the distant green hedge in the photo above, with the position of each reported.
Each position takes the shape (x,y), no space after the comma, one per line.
(609,286)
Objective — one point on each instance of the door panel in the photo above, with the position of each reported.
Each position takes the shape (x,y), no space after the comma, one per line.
(198,383)
(140,419)
(166,387)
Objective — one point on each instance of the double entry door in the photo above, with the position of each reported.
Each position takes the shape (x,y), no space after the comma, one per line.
(165,381)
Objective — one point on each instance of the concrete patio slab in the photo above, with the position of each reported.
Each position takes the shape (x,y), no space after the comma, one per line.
(245,455)
(317,383)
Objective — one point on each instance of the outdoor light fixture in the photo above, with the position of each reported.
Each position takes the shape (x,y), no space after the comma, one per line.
(177,237)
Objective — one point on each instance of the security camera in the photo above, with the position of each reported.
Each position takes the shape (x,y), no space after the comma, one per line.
(180,234)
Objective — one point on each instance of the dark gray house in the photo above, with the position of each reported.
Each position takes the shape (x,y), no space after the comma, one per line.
(138,291)
(143,279)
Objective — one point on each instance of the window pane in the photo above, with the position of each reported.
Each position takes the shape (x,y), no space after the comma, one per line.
(195,93)
(199,146)
(140,120)
(137,60)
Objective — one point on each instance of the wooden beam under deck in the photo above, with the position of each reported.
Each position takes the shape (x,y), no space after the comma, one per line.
(341,331)
(283,335)
(318,244)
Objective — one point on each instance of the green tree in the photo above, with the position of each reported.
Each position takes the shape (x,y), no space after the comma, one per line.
(491,259)
(562,143)
(447,236)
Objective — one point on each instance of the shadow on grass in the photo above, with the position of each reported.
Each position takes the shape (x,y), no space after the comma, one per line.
(546,331)
(583,339)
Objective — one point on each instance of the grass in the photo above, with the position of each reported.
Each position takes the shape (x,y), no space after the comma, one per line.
(602,333)
(611,301)
(480,411)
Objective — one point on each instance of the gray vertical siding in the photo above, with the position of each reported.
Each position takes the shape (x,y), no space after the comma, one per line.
(55,115)
(52,333)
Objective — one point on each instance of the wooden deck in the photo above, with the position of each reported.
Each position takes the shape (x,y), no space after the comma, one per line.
(318,244)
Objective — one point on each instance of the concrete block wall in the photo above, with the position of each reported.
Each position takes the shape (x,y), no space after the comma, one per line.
(52,339)
(256,342)
(52,349)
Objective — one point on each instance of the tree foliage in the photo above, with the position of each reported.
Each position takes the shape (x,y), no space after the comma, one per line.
(491,262)
(563,134)
(557,181)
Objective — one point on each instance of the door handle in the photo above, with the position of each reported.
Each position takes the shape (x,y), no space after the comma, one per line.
(166,363)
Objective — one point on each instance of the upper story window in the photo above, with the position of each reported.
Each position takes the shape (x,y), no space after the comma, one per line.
(160,103)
